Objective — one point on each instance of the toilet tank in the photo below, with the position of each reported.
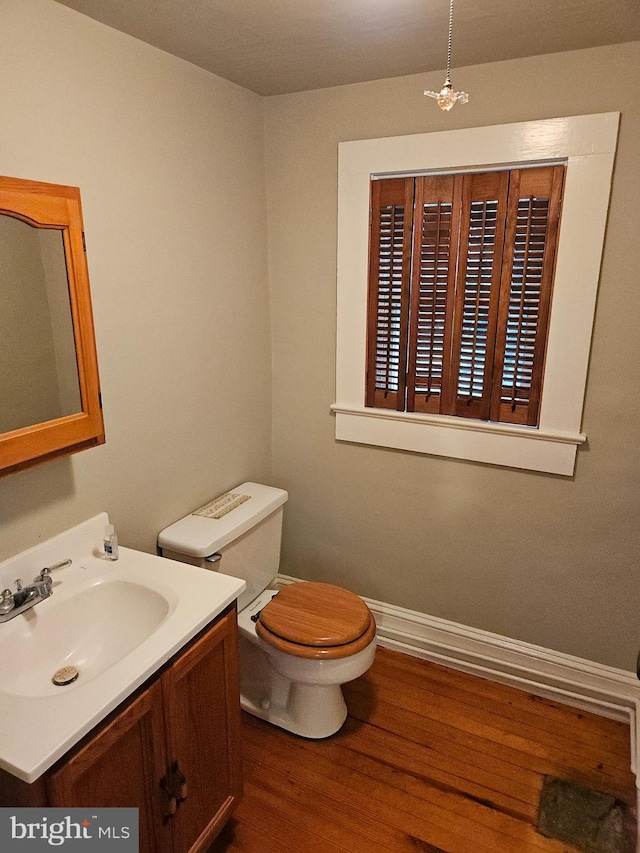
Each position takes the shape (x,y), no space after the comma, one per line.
(238,534)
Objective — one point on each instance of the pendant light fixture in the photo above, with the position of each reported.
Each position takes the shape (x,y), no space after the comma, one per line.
(446,97)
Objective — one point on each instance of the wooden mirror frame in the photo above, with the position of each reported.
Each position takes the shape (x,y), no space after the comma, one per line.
(54,206)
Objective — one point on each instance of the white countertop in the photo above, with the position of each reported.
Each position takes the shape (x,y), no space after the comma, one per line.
(39,724)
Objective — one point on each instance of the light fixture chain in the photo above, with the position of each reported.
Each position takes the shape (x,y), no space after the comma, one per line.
(449,40)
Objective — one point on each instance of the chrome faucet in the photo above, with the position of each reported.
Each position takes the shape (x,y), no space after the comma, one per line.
(14,603)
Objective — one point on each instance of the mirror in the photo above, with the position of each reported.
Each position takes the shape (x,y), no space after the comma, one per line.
(49,388)
(38,366)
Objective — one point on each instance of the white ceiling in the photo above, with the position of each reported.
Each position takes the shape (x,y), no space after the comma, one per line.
(278,46)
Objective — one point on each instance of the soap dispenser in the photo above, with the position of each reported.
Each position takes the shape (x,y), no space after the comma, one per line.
(110,543)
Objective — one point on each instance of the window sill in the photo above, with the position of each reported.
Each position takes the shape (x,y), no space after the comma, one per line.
(458,438)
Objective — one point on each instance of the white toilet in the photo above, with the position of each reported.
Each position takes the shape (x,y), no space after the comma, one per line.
(298,645)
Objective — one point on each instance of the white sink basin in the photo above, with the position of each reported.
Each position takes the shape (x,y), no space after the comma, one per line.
(116,622)
(89,630)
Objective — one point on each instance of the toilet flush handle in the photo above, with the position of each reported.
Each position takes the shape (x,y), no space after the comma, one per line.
(213,558)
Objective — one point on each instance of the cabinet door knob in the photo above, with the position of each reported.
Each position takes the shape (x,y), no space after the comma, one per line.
(172,803)
(182,782)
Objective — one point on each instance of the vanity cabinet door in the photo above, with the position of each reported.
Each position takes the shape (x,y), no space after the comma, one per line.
(121,766)
(202,718)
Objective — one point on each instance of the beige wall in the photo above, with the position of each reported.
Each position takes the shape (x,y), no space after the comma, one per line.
(169,160)
(545,559)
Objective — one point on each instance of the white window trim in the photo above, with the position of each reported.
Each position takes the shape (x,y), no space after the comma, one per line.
(587,144)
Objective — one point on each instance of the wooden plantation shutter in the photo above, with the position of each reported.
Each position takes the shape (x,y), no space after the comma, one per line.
(484,204)
(435,248)
(525,293)
(389,276)
(460,282)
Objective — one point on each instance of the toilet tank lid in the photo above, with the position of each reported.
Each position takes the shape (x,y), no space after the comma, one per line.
(199,535)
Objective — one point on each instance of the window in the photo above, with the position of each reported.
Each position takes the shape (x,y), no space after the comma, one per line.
(460,281)
(586,145)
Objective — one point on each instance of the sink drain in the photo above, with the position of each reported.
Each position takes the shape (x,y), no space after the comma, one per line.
(65,676)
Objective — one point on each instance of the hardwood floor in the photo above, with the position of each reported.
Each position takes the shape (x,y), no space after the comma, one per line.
(429,760)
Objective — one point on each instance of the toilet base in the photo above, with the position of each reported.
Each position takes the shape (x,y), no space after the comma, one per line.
(310,710)
(313,711)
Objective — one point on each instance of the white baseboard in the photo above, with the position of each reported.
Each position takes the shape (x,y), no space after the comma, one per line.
(590,686)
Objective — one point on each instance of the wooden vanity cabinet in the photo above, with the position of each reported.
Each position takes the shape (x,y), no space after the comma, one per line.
(173,750)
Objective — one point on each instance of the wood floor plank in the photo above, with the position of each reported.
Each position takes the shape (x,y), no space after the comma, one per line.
(451,731)
(274,830)
(374,823)
(322,815)
(489,723)
(608,735)
(416,824)
(382,784)
(419,671)
(468,771)
(462,754)
(429,761)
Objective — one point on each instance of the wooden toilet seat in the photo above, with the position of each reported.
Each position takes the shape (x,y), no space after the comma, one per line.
(316,620)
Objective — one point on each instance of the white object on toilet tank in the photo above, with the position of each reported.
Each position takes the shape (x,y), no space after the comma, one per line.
(248,537)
